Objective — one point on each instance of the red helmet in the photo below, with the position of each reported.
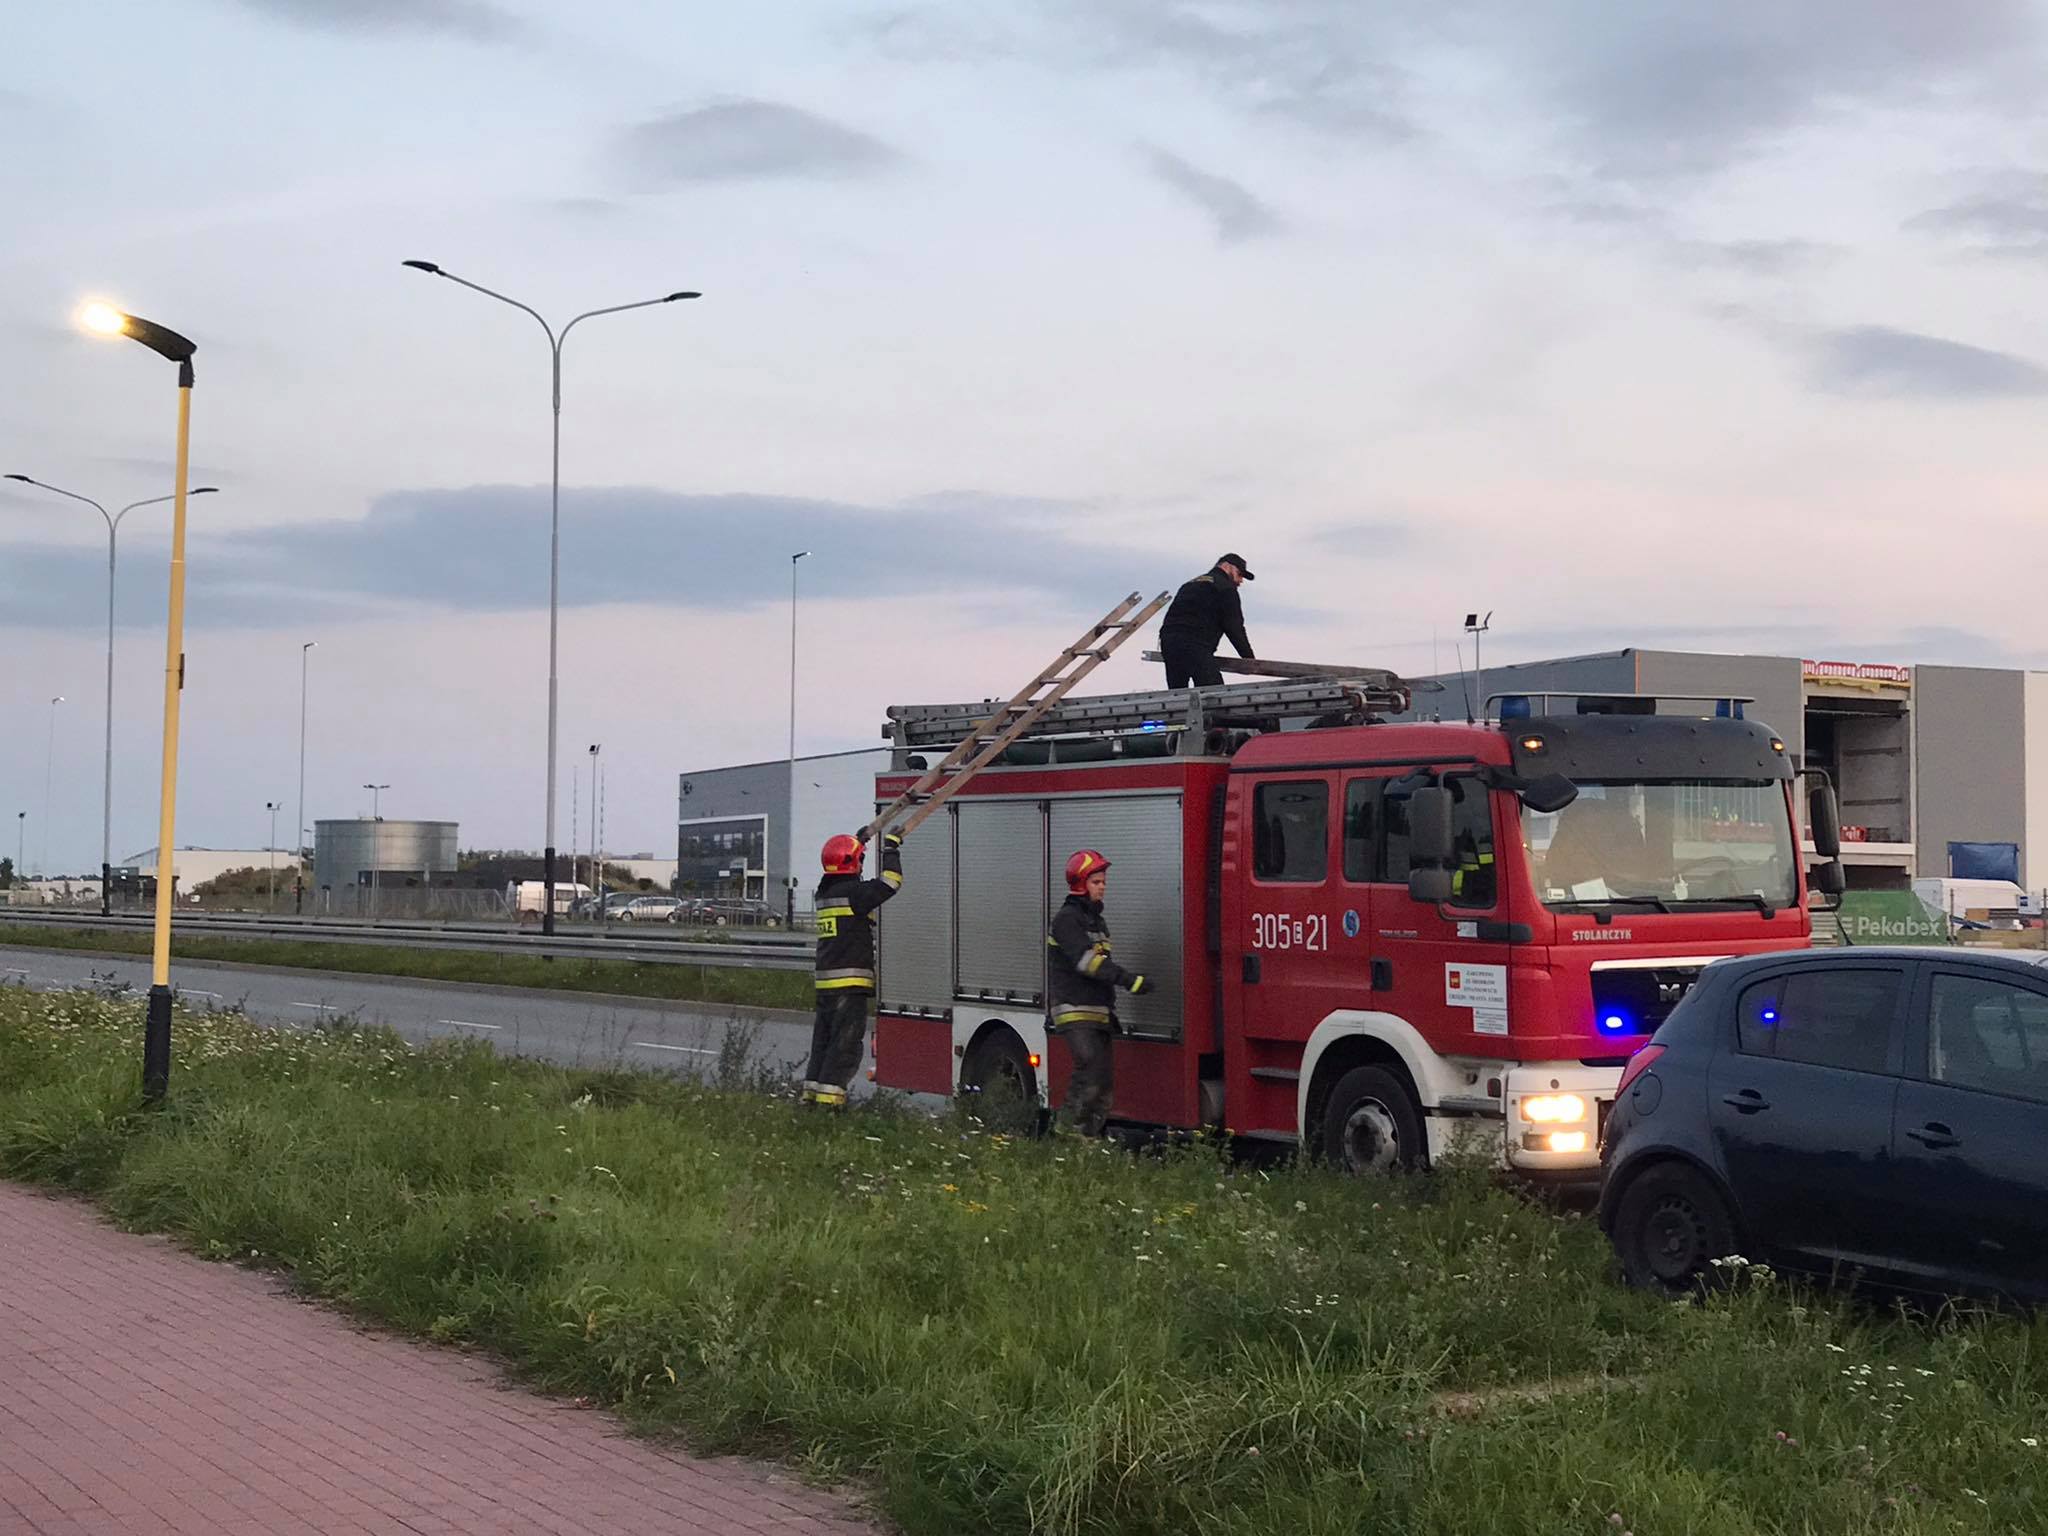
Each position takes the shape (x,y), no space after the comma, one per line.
(842,855)
(1083,864)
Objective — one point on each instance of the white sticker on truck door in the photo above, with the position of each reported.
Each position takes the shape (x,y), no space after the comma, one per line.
(1476,986)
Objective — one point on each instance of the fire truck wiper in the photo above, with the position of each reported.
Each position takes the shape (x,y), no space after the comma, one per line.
(1606,903)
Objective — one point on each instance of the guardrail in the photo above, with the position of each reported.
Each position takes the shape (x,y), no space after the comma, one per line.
(780,954)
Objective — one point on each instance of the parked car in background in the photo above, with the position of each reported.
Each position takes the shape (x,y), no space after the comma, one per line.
(1860,1113)
(646,909)
(730,912)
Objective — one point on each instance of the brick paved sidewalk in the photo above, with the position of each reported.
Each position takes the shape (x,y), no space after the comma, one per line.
(143,1390)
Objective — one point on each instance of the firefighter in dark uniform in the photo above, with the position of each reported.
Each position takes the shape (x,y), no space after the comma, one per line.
(845,910)
(1083,992)
(1203,612)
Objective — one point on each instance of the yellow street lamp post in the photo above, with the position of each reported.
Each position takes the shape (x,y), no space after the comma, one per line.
(156,1039)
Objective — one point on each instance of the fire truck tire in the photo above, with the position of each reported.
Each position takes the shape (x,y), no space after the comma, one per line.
(998,1059)
(1372,1123)
(1670,1225)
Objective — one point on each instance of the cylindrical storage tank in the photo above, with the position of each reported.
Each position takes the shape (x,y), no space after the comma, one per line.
(344,852)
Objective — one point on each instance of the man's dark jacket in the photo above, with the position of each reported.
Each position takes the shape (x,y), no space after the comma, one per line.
(1203,612)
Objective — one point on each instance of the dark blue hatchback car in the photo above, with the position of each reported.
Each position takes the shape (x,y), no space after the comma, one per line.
(1874,1114)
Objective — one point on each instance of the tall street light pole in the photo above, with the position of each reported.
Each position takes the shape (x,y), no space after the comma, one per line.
(596,868)
(376,841)
(271,806)
(789,814)
(169,345)
(49,777)
(113,522)
(299,851)
(555,341)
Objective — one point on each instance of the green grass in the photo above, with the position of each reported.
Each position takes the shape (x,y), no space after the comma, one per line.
(1012,1336)
(670,982)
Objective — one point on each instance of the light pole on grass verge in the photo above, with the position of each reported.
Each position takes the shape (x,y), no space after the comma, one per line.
(169,345)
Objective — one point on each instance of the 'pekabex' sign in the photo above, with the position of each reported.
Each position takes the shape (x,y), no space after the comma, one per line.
(1864,674)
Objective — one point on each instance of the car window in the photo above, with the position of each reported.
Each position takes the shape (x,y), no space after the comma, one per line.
(1988,1035)
(1362,829)
(1291,831)
(1833,1016)
(1472,877)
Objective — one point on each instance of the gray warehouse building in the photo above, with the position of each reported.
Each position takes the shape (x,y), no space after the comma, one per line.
(747,830)
(399,853)
(1921,756)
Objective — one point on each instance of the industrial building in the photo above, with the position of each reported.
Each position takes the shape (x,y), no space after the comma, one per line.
(194,867)
(357,854)
(1922,757)
(737,826)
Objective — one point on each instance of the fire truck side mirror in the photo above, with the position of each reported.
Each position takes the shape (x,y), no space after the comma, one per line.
(1550,794)
(1827,878)
(1429,826)
(1824,820)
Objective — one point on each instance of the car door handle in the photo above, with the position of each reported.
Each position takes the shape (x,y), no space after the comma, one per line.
(1748,1102)
(1935,1135)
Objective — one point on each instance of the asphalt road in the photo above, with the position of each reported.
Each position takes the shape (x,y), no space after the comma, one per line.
(562,1027)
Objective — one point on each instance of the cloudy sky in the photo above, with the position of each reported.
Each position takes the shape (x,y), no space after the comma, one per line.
(1664,324)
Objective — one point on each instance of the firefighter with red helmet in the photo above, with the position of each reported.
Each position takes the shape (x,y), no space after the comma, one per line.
(1083,991)
(845,910)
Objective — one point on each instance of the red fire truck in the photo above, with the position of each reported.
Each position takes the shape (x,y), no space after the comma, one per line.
(1371,935)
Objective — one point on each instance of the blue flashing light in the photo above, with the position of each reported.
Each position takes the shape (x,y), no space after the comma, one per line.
(1728,709)
(1152,725)
(1770,1015)
(1614,1023)
(1514,707)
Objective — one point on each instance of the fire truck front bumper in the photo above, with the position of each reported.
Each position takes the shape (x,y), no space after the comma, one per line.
(1554,1114)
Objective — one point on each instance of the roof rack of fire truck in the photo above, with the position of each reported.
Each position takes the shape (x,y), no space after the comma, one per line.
(1355,694)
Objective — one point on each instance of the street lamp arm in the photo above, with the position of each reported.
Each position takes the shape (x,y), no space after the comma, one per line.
(489,293)
(157,501)
(58,490)
(619,309)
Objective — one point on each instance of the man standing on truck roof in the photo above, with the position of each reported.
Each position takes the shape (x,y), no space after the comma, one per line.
(1084,983)
(845,910)
(1203,612)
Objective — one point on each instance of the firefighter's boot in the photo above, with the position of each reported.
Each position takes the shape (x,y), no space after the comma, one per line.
(829,1096)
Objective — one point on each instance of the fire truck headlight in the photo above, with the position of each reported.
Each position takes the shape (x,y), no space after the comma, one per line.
(1555,1109)
(1567,1141)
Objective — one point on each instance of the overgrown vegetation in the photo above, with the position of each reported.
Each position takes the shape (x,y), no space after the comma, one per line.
(1006,1335)
(734,984)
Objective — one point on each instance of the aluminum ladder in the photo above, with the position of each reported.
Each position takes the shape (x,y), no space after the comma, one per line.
(987,737)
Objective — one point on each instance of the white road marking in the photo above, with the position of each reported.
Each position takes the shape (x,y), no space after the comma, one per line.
(656,1045)
(465,1024)
(316,1007)
(195,992)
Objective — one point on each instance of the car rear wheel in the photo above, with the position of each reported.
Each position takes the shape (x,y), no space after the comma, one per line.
(1372,1123)
(1670,1227)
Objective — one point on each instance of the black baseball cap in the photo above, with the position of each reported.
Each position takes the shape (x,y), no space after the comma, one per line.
(1238,561)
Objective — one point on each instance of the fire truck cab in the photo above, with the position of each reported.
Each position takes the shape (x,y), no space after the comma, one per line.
(1371,937)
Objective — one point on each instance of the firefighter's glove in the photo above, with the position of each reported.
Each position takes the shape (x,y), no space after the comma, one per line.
(1137,986)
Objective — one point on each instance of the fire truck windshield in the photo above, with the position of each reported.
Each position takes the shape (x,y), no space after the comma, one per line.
(1664,846)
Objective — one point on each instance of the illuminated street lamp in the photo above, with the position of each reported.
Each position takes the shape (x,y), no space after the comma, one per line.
(169,345)
(555,341)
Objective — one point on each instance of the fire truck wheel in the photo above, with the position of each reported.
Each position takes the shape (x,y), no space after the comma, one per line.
(998,1068)
(1669,1228)
(1371,1123)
